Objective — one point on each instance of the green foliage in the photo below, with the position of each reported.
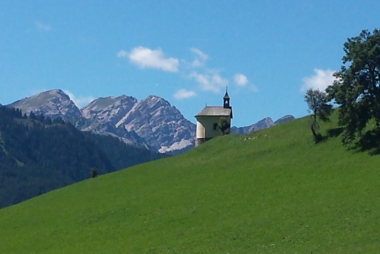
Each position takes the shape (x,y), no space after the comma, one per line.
(94,172)
(272,191)
(318,105)
(224,125)
(357,89)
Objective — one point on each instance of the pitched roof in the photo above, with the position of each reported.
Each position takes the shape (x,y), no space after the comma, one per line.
(215,111)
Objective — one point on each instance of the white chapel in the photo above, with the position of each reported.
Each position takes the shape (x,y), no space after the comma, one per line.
(213,121)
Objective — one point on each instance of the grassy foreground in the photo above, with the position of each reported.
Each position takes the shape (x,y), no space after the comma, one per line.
(273,191)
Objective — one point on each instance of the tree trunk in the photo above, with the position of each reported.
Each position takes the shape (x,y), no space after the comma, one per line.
(316,136)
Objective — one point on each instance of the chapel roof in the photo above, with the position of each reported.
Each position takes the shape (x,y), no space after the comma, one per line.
(226,96)
(215,111)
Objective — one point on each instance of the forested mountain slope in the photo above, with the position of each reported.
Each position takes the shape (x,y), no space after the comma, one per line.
(38,154)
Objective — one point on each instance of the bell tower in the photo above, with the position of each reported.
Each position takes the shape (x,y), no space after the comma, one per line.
(226,100)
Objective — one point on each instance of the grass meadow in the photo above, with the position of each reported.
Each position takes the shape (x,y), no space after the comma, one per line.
(273,191)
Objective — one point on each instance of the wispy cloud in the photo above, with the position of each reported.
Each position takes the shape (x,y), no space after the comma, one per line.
(211,81)
(122,53)
(148,58)
(253,88)
(200,57)
(240,79)
(80,101)
(42,27)
(320,80)
(207,79)
(183,94)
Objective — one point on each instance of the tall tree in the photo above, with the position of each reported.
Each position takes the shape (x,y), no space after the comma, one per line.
(319,107)
(357,88)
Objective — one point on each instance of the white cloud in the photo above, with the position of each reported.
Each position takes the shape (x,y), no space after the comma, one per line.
(79,101)
(240,79)
(209,82)
(321,80)
(42,27)
(122,53)
(148,58)
(183,94)
(253,88)
(200,57)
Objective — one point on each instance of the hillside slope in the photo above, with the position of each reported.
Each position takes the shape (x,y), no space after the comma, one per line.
(272,191)
(38,154)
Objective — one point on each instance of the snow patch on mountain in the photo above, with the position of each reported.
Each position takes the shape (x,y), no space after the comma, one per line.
(175,146)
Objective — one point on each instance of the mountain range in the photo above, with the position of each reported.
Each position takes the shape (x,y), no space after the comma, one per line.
(152,123)
(262,124)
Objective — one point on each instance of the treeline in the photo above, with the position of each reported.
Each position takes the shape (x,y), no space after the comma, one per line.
(39,154)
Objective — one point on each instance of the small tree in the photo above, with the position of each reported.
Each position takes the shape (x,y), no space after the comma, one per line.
(94,172)
(317,102)
(224,125)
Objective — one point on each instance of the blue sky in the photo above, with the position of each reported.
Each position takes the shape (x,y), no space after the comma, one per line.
(266,52)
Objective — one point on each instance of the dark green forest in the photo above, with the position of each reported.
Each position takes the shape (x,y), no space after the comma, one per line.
(38,154)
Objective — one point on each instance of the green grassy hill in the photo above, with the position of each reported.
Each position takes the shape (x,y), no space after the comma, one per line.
(273,191)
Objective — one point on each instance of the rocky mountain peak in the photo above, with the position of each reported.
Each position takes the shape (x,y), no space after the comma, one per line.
(152,123)
(152,119)
(284,119)
(161,124)
(104,102)
(262,124)
(53,103)
(153,102)
(109,109)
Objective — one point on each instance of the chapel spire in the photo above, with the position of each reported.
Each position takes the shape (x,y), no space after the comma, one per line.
(226,100)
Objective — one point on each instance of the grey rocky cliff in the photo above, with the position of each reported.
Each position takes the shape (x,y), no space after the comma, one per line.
(101,115)
(109,109)
(160,124)
(54,103)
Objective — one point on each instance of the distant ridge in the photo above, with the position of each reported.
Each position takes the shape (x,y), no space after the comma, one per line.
(262,124)
(284,119)
(152,123)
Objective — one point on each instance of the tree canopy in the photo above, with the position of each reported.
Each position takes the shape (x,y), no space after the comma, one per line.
(357,86)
